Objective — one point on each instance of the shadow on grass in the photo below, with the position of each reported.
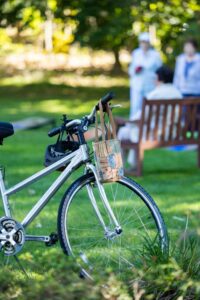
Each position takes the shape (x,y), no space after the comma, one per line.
(46,90)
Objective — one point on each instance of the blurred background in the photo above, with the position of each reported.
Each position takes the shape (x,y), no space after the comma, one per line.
(69,35)
(59,57)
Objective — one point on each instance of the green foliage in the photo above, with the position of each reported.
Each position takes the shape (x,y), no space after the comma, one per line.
(62,39)
(25,13)
(4,39)
(166,281)
(173,21)
(55,284)
(32,18)
(110,25)
(158,279)
(103,25)
(20,13)
(58,284)
(175,278)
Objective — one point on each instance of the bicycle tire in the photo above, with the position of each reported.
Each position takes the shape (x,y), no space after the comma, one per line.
(127,182)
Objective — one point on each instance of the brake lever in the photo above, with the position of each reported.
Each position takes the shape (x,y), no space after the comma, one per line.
(116,106)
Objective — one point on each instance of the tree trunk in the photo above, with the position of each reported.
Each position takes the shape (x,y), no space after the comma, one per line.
(48,32)
(117,65)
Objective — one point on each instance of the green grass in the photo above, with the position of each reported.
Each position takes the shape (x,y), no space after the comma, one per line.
(172,178)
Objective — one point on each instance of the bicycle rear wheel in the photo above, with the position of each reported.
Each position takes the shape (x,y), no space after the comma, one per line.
(82,236)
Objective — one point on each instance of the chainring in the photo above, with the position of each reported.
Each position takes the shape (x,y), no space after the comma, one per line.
(12,236)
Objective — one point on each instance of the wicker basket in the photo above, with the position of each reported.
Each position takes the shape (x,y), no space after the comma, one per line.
(107,152)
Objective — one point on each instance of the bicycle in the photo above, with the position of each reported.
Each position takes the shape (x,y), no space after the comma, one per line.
(103,226)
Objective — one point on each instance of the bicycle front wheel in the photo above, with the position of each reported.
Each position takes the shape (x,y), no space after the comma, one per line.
(82,235)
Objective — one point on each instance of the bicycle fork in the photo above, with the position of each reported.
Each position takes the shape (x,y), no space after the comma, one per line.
(108,233)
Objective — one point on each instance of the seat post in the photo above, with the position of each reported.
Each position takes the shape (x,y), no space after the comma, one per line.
(3,193)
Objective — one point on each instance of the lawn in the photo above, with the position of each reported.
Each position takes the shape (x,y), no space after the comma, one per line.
(172,178)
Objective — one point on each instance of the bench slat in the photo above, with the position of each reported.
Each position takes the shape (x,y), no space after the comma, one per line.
(193,120)
(186,119)
(155,132)
(164,122)
(178,131)
(172,127)
(149,122)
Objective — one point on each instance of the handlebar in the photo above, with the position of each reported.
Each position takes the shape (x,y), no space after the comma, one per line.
(58,130)
(103,100)
(90,118)
(54,131)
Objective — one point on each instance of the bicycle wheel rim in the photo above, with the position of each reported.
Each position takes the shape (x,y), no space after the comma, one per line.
(95,254)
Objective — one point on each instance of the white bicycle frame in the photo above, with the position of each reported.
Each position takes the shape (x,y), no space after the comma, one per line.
(73,161)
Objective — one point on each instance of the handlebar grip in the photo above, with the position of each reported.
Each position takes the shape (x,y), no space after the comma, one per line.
(106,98)
(54,131)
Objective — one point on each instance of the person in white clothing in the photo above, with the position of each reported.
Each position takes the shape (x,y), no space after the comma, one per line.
(144,63)
(164,90)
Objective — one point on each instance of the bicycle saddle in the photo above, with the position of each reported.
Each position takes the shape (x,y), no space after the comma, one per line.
(6,129)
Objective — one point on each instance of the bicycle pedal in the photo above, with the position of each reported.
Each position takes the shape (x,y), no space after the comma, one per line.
(83,274)
(53,239)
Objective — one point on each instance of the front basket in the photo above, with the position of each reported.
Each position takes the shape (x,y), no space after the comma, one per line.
(108,160)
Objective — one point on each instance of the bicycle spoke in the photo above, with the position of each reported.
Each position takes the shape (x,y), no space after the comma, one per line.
(110,251)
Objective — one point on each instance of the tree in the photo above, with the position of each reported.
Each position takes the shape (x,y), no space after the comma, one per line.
(22,14)
(110,25)
(102,24)
(174,20)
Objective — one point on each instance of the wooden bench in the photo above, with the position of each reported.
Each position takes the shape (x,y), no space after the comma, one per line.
(164,123)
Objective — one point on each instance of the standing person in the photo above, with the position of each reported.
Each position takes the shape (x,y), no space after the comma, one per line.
(145,61)
(187,70)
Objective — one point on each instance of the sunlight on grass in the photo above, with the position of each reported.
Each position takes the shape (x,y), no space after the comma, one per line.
(88,81)
(58,106)
(20,80)
(184,207)
(74,80)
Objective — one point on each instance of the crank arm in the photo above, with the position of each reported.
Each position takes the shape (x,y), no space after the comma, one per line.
(37,238)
